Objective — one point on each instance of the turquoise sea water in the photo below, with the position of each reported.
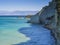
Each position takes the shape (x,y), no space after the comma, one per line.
(9,27)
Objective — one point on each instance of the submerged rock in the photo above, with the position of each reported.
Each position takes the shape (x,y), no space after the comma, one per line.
(38,35)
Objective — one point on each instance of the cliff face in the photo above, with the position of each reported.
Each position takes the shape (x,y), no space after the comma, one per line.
(49,16)
(58,21)
(34,19)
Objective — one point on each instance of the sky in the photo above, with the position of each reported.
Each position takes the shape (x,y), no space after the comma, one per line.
(22,5)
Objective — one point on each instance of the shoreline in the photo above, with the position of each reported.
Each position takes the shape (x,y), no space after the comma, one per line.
(38,35)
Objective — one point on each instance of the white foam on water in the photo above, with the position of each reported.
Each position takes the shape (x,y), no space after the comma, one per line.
(8,37)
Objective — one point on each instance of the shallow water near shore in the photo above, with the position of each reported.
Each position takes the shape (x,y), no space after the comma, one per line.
(9,27)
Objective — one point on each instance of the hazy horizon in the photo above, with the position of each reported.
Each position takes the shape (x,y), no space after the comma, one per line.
(17,13)
(7,6)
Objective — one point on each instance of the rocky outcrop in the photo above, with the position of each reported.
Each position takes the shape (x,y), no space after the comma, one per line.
(57,31)
(49,17)
(34,19)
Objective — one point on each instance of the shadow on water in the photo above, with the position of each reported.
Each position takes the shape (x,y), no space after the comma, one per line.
(38,35)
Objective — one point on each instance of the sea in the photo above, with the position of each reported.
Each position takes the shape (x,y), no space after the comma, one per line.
(9,27)
(15,30)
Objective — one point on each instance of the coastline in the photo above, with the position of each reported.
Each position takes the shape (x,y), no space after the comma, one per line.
(38,35)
